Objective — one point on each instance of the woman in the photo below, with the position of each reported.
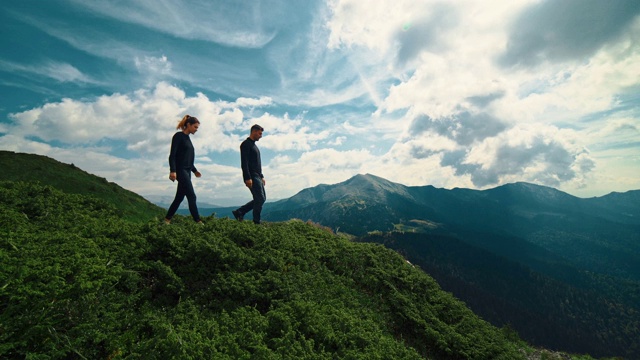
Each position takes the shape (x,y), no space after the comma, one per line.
(181,165)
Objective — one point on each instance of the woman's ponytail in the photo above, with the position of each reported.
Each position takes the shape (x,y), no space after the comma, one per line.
(187,119)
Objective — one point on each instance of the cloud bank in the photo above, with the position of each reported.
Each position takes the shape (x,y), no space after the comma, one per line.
(449,94)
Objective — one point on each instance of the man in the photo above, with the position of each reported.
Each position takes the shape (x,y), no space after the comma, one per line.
(252,175)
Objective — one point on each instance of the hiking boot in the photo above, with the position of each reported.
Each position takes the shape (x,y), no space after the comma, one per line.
(237,215)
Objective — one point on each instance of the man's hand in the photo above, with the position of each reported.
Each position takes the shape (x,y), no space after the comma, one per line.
(249,183)
(172,176)
(197,173)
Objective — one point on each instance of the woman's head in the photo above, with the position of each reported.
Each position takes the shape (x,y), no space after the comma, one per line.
(188,121)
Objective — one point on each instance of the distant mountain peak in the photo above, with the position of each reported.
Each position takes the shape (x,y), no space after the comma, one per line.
(368,187)
(373,186)
(367,178)
(370,177)
(535,192)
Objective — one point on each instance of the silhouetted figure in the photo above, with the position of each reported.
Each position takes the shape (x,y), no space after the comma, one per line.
(181,166)
(252,174)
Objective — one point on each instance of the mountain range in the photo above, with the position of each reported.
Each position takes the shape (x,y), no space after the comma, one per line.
(563,271)
(599,234)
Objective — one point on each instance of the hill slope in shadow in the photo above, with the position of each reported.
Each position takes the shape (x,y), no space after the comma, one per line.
(71,179)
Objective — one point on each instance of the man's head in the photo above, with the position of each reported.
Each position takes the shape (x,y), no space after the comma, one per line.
(256,132)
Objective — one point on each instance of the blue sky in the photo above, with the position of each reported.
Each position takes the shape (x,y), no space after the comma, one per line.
(468,94)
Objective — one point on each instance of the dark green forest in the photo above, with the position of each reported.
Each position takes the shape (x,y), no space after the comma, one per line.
(79,281)
(581,310)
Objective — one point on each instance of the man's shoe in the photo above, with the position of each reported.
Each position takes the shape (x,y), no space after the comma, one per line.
(237,215)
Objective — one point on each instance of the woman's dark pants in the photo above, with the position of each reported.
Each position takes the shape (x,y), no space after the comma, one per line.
(185,188)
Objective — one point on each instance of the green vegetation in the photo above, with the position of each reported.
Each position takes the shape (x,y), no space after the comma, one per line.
(71,179)
(79,281)
(576,313)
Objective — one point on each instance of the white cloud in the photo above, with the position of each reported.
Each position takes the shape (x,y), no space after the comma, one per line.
(371,24)
(289,175)
(65,73)
(145,120)
(554,32)
(196,20)
(59,71)
(400,164)
(283,133)
(251,102)
(77,122)
(155,68)
(453,67)
(538,154)
(141,119)
(339,140)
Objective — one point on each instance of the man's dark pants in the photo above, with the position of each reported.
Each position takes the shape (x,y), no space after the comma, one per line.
(259,197)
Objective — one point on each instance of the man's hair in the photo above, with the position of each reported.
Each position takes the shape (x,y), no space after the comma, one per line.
(256,127)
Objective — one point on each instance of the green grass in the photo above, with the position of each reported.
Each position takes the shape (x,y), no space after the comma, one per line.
(79,281)
(71,179)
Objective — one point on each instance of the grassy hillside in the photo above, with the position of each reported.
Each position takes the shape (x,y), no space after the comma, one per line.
(79,281)
(70,179)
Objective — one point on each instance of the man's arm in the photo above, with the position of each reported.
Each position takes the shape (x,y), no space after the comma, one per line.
(245,151)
